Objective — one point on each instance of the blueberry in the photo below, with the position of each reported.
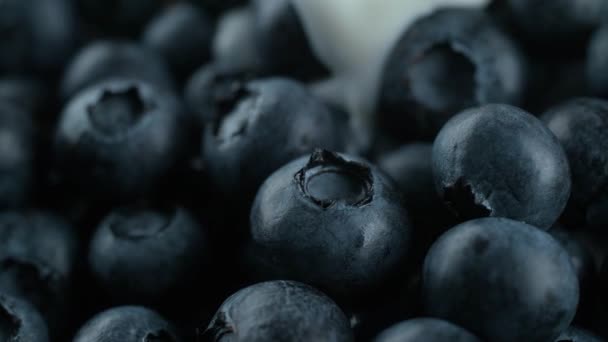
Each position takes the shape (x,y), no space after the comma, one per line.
(118,17)
(145,255)
(411,167)
(426,329)
(182,34)
(444,63)
(127,324)
(554,82)
(27,93)
(579,125)
(597,62)
(279,311)
(261,126)
(234,44)
(585,267)
(330,220)
(103,60)
(119,138)
(499,161)
(38,256)
(601,296)
(283,44)
(516,282)
(574,334)
(16,154)
(210,84)
(36,36)
(19,321)
(557,20)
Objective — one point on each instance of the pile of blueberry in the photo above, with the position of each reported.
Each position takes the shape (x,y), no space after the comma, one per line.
(170,171)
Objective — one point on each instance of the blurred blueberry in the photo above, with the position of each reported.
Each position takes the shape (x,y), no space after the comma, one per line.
(446,62)
(182,34)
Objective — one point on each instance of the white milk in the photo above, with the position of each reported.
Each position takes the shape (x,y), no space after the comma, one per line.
(352,38)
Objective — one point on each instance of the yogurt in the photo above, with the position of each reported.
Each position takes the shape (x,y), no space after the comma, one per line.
(353,38)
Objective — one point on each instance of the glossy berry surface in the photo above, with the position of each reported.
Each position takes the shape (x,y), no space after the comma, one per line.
(352,230)
(120,137)
(279,311)
(426,329)
(491,266)
(147,255)
(128,324)
(499,161)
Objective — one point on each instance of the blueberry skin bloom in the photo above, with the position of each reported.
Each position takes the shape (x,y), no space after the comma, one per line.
(597,62)
(446,62)
(499,161)
(279,311)
(580,126)
(118,139)
(127,324)
(426,329)
(330,220)
(19,321)
(502,280)
(263,125)
(16,154)
(574,334)
(38,256)
(103,60)
(146,255)
(182,34)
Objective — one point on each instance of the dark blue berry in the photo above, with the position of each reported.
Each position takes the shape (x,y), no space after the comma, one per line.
(499,161)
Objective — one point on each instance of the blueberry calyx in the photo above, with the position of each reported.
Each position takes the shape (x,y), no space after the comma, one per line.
(230,122)
(462,199)
(117,111)
(140,225)
(10,325)
(328,179)
(159,336)
(443,76)
(30,274)
(218,328)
